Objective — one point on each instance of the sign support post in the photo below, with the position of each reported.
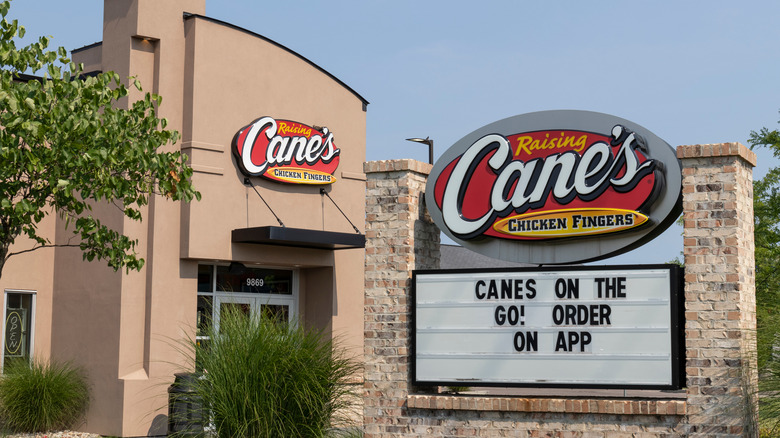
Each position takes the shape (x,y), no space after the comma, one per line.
(720,290)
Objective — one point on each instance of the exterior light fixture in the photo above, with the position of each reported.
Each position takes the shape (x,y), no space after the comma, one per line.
(427,141)
(236,268)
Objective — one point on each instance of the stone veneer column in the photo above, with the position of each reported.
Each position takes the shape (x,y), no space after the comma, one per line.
(400,237)
(720,296)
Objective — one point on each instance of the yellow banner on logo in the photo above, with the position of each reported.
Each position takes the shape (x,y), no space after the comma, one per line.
(569,222)
(301,176)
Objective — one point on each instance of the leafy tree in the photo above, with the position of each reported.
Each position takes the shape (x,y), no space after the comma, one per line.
(66,144)
(766,206)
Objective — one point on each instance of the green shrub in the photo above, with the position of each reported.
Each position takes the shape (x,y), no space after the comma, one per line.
(265,378)
(39,397)
(769,399)
(350,432)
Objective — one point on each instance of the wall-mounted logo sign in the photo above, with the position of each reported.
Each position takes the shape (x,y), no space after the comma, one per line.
(286,151)
(555,187)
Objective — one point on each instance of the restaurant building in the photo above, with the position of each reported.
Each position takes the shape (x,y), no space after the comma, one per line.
(277,145)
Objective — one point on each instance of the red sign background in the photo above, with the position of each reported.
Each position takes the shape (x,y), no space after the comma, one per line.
(542,144)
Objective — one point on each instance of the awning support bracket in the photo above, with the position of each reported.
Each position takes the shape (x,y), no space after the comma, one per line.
(248,182)
(324,192)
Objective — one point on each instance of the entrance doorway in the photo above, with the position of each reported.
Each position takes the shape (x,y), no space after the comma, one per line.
(252,290)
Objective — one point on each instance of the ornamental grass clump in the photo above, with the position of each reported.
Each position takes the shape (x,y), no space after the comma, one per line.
(40,396)
(266,378)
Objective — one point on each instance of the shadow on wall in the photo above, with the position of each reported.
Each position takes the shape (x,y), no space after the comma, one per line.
(427,237)
(159,426)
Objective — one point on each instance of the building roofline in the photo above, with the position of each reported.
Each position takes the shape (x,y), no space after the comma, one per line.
(87,47)
(23,77)
(188,15)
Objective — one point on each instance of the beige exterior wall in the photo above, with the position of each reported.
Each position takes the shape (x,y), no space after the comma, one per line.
(127,328)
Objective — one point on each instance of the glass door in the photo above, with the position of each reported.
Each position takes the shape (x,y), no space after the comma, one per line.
(277,308)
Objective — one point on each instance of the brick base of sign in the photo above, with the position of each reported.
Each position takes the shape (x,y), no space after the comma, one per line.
(571,405)
(720,315)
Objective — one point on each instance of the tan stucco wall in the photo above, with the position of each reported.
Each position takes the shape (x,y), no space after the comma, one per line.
(237,78)
(127,329)
(233,78)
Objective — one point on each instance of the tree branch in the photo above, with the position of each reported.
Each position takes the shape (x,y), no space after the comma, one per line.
(62,245)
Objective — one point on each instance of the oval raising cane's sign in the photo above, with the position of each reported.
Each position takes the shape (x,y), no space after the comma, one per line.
(556,187)
(286,151)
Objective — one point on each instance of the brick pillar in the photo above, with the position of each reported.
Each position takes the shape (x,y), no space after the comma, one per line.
(400,237)
(720,287)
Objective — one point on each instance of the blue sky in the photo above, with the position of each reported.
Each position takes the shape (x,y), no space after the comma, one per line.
(692,72)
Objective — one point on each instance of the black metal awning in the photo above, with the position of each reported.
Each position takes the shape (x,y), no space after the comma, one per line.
(298,237)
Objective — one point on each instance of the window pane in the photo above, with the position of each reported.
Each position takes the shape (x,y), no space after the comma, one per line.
(204,278)
(237,278)
(276,312)
(239,308)
(18,328)
(202,345)
(235,309)
(205,304)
